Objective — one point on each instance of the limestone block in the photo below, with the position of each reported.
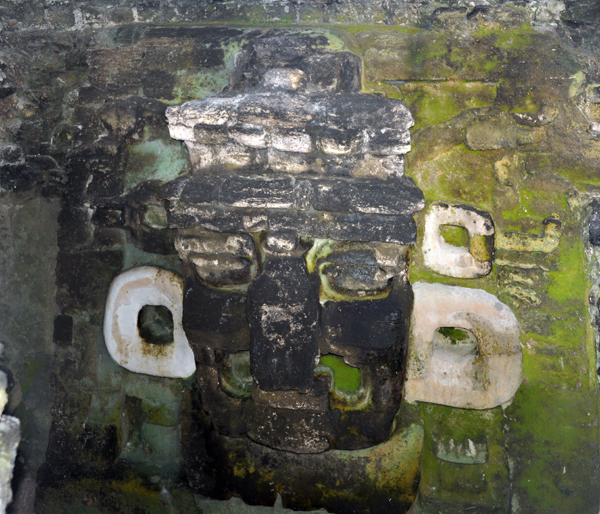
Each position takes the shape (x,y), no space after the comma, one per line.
(447,374)
(10,435)
(129,292)
(458,261)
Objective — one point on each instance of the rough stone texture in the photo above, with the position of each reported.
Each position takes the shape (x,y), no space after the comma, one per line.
(83,89)
(455,373)
(452,260)
(10,435)
(124,339)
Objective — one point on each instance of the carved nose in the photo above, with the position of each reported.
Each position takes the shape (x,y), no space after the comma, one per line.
(283,311)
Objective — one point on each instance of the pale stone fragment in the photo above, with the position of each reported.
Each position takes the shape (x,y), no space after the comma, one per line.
(129,292)
(447,375)
(246,134)
(10,435)
(447,259)
(466,452)
(285,78)
(288,162)
(291,140)
(547,242)
(214,110)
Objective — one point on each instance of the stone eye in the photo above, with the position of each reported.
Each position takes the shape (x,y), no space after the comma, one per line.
(220,260)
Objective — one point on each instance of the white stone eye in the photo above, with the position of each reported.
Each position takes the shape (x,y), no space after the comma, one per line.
(138,301)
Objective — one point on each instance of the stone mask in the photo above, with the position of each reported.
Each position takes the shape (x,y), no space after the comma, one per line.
(293,229)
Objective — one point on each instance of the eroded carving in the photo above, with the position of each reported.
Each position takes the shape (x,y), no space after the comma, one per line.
(458,261)
(293,231)
(456,372)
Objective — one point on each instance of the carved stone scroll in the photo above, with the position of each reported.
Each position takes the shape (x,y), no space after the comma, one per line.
(455,373)
(458,261)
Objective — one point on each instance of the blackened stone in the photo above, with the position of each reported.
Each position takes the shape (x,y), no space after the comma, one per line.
(74,231)
(256,192)
(285,110)
(339,72)
(295,431)
(20,176)
(277,50)
(85,278)
(129,34)
(63,330)
(360,111)
(159,84)
(206,35)
(155,324)
(595,223)
(283,311)
(367,196)
(339,226)
(228,413)
(197,190)
(6,90)
(10,153)
(374,326)
(211,310)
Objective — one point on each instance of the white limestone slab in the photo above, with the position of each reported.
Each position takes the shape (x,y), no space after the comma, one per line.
(129,292)
(447,259)
(447,375)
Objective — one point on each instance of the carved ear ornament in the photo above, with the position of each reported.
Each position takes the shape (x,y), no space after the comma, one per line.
(484,239)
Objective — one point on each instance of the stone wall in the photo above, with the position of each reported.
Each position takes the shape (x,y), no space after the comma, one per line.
(506,107)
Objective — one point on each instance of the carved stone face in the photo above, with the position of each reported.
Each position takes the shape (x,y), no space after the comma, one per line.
(300,344)
(294,230)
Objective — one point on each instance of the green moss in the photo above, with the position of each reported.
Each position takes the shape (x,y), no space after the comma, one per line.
(568,282)
(455,235)
(519,38)
(155,158)
(194,84)
(94,496)
(346,378)
(454,334)
(552,433)
(458,175)
(33,365)
(433,102)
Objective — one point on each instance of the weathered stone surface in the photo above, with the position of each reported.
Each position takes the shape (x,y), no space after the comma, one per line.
(129,293)
(547,242)
(456,374)
(494,130)
(294,110)
(10,435)
(455,261)
(486,55)
(369,196)
(594,223)
(283,313)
